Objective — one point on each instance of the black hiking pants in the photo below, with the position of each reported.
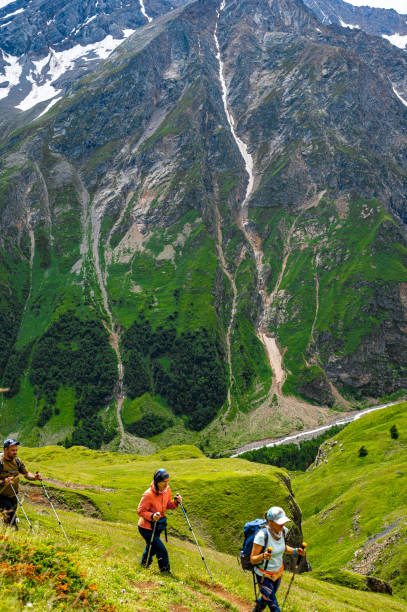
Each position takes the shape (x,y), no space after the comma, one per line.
(8,507)
(157,548)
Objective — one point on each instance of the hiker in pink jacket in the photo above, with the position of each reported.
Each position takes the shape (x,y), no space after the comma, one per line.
(151,509)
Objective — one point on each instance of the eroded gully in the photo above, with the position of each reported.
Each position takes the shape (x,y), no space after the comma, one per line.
(96,214)
(269,342)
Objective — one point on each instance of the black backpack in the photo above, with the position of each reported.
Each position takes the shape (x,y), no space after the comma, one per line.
(249,531)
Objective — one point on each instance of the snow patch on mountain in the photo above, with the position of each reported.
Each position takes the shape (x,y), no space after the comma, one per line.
(348,25)
(11,15)
(4,3)
(400,98)
(50,105)
(143,11)
(12,73)
(57,64)
(398,40)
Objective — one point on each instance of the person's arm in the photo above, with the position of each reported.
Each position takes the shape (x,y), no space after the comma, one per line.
(30,476)
(174,503)
(144,511)
(294,551)
(257,556)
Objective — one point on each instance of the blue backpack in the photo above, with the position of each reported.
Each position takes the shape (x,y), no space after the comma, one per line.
(249,531)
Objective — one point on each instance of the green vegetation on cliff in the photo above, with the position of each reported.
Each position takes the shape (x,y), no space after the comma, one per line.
(355,507)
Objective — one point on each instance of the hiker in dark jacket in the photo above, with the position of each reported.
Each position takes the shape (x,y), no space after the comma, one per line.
(269,566)
(10,469)
(153,504)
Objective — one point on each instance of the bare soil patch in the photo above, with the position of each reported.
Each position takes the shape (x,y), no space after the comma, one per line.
(239,602)
(78,487)
(77,503)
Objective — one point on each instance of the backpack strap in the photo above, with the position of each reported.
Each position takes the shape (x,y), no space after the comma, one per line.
(266,537)
(19,464)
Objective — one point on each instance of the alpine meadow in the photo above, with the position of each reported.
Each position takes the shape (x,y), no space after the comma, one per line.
(203,305)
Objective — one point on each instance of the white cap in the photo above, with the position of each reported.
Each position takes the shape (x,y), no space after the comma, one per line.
(277,515)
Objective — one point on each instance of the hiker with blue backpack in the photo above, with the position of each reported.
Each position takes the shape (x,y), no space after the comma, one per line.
(262,553)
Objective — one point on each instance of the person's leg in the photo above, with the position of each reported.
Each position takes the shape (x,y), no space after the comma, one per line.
(162,554)
(13,513)
(261,603)
(146,534)
(8,507)
(268,590)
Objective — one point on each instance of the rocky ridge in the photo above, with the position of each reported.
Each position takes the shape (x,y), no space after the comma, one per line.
(387,23)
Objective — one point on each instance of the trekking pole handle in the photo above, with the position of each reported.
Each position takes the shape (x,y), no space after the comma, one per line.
(269,550)
(304,546)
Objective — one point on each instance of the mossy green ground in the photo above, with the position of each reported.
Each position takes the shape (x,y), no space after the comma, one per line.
(353,503)
(109,550)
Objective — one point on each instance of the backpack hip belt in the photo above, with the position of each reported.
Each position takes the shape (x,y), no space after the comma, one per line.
(272,575)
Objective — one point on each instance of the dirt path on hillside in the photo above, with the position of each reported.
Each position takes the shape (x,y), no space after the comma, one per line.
(78,487)
(239,603)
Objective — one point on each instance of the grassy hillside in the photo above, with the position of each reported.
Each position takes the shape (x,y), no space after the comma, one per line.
(100,569)
(214,490)
(355,508)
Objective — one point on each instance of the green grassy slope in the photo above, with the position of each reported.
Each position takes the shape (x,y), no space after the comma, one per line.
(355,508)
(108,551)
(214,489)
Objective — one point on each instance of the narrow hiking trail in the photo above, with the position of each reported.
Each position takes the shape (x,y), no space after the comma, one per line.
(269,342)
(345,418)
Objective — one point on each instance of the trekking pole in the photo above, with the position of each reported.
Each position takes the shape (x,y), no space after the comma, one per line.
(55,512)
(304,546)
(196,541)
(21,506)
(255,587)
(269,550)
(150,544)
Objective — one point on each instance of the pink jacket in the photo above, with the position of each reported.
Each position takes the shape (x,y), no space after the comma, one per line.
(152,502)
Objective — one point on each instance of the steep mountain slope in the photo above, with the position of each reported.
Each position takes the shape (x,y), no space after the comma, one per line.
(358,504)
(377,21)
(222,199)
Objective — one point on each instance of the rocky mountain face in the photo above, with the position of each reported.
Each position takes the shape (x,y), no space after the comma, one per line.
(210,221)
(45,44)
(387,23)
